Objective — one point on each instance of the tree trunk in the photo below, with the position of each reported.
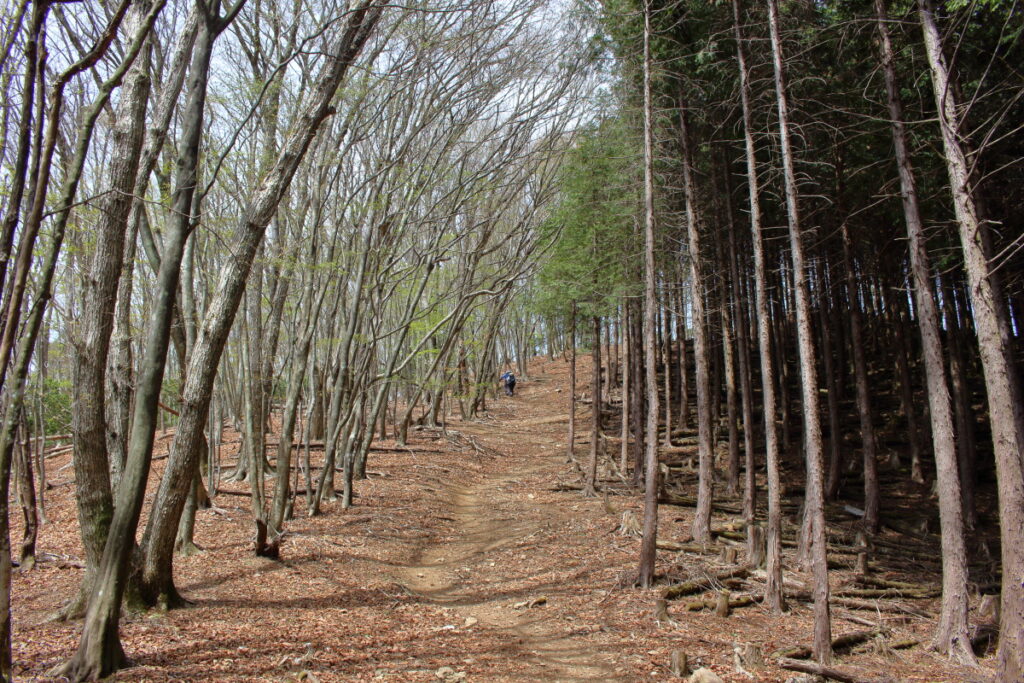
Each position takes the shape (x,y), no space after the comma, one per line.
(701,529)
(860,371)
(964,414)
(627,380)
(667,367)
(1006,411)
(729,354)
(205,357)
(648,543)
(835,434)
(27,496)
(99,650)
(746,392)
(815,508)
(89,427)
(952,636)
(589,486)
(571,446)
(773,586)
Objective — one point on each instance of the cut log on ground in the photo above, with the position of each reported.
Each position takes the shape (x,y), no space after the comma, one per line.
(705,583)
(819,670)
(716,604)
(840,644)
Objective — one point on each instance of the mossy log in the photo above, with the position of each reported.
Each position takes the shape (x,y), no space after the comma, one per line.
(840,644)
(741,601)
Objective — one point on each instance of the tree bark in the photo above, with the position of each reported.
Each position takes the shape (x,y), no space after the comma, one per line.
(701,528)
(648,544)
(99,650)
(589,486)
(808,362)
(773,585)
(205,357)
(860,371)
(1006,411)
(88,416)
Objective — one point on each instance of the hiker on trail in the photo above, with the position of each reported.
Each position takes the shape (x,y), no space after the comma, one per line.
(508,380)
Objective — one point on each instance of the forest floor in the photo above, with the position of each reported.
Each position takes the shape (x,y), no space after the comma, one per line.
(461,560)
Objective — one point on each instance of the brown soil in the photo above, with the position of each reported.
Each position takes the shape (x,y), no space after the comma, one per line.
(459,554)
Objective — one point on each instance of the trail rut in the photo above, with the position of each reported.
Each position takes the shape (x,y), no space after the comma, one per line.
(492,512)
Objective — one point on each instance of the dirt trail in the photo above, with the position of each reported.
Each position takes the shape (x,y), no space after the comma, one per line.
(491,513)
(460,561)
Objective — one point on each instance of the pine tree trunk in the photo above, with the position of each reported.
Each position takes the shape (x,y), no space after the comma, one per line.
(729,355)
(666,353)
(835,434)
(962,410)
(860,372)
(590,481)
(571,445)
(773,587)
(648,543)
(684,380)
(627,378)
(701,528)
(814,509)
(1006,411)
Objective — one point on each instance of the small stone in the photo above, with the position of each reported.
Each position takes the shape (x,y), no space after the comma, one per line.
(470,622)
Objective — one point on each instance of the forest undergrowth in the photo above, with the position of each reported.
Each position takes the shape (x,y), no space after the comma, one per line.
(471,555)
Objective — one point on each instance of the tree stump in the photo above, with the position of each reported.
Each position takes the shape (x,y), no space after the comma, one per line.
(661,615)
(755,546)
(630,525)
(746,658)
(679,664)
(988,610)
(863,546)
(722,605)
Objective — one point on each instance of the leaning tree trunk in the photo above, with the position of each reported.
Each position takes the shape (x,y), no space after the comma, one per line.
(815,503)
(99,650)
(93,497)
(29,333)
(196,393)
(1006,411)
